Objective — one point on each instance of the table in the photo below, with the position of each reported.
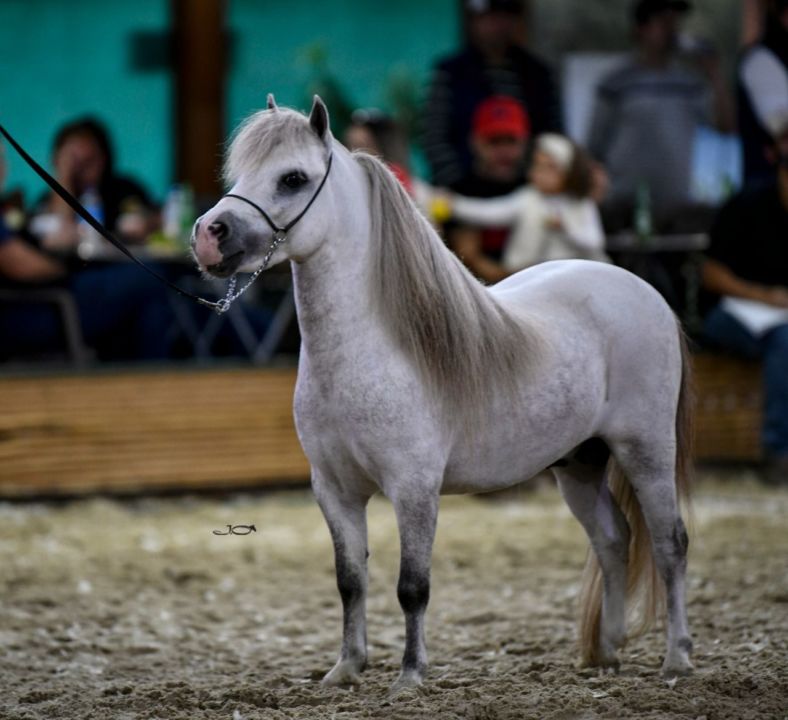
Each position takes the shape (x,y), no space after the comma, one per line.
(260,349)
(684,242)
(648,260)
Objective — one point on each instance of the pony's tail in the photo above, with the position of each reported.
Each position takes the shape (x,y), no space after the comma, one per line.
(644,585)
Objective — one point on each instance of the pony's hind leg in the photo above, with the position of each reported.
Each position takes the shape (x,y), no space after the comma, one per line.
(585,491)
(651,471)
(345,515)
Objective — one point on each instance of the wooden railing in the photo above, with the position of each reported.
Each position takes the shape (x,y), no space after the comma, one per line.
(729,408)
(190,430)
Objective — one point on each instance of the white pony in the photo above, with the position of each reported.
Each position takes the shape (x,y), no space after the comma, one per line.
(415,380)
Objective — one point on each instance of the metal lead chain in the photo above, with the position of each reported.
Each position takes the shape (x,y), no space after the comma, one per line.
(223,305)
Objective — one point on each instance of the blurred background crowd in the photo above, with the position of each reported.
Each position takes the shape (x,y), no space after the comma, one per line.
(648,133)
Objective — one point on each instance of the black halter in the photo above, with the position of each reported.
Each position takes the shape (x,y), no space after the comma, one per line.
(280,233)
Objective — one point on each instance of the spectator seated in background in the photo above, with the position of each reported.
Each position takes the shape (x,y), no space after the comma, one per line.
(553,217)
(494,62)
(377,133)
(763,92)
(645,118)
(84,165)
(124,312)
(747,266)
(499,140)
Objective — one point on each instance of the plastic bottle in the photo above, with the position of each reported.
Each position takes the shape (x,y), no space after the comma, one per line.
(171,214)
(90,243)
(187,215)
(642,216)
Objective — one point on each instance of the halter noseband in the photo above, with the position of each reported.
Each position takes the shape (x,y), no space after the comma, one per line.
(280,235)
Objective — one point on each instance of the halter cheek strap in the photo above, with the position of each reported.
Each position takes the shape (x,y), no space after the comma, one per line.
(282,231)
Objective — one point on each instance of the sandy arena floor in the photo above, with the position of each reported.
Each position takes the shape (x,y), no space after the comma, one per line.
(116,611)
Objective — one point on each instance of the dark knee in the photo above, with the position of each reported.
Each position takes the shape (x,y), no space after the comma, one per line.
(413,590)
(350,582)
(350,587)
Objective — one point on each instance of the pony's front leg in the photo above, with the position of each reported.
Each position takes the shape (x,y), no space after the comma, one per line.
(346,516)
(417,515)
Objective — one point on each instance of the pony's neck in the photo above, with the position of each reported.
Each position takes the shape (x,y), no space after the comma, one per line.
(332,286)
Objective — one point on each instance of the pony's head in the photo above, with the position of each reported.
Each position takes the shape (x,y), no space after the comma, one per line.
(275,166)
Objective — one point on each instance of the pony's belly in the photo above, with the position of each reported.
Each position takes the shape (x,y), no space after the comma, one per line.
(497,470)
(522,436)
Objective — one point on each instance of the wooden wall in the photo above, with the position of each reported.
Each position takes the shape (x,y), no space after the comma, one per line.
(148,431)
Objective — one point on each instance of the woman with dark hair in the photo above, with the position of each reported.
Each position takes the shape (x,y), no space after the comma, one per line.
(124,313)
(84,165)
(379,134)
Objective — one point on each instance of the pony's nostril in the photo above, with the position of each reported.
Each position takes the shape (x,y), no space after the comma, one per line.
(218,229)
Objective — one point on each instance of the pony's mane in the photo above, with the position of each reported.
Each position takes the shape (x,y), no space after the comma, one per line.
(466,345)
(257,136)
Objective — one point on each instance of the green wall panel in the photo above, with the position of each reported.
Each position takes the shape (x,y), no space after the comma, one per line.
(60,59)
(366,45)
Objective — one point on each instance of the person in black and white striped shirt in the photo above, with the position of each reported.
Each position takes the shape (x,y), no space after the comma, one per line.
(647,112)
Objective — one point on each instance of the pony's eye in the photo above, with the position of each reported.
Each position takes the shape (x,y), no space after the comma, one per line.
(293,180)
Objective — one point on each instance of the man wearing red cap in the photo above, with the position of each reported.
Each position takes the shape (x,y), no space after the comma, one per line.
(498,140)
(493,62)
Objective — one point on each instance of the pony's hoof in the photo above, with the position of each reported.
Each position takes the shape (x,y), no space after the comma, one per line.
(605,660)
(610,667)
(679,667)
(343,673)
(408,680)
(677,661)
(608,662)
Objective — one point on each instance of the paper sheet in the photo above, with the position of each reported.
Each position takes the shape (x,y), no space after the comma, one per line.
(757,317)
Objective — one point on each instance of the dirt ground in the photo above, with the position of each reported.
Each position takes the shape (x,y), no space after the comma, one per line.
(135,609)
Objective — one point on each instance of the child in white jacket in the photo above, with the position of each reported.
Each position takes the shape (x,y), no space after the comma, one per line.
(553,217)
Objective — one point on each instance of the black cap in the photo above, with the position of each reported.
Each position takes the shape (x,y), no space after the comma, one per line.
(484,6)
(644,10)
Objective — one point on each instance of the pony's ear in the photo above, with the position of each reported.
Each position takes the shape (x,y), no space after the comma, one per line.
(271,103)
(318,119)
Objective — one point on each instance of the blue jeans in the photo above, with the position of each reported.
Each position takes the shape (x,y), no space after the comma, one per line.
(125,315)
(724,331)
